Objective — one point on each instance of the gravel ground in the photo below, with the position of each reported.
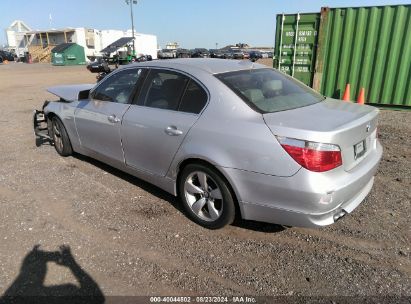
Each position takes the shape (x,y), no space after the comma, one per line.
(133,239)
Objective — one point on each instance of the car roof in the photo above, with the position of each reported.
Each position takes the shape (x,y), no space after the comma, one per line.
(208,65)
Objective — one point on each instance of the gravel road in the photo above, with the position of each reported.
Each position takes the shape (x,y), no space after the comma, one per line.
(133,239)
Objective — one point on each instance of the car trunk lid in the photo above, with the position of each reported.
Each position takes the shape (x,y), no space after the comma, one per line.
(350,126)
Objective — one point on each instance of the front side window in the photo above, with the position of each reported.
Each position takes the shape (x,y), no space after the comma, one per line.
(118,87)
(267,91)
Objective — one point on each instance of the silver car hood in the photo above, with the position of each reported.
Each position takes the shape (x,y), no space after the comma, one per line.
(70,92)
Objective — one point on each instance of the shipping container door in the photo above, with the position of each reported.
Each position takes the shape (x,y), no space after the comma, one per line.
(295,46)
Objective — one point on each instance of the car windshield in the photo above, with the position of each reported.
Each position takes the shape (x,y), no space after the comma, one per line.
(267,90)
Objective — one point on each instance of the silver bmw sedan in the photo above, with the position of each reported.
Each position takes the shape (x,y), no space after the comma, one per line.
(230,138)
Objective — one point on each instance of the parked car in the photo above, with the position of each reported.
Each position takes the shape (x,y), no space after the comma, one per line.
(228,137)
(101,66)
(228,54)
(255,55)
(246,55)
(5,55)
(237,54)
(264,55)
(217,54)
(183,53)
(167,54)
(200,53)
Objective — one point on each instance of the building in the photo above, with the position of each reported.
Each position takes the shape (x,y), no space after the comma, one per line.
(15,37)
(172,46)
(39,43)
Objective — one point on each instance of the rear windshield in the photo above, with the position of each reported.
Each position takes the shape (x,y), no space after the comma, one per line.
(267,90)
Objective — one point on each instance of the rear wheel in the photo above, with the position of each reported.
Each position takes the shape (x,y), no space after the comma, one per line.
(60,138)
(206,196)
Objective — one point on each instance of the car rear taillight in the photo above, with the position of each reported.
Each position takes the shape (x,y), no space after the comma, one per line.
(313,156)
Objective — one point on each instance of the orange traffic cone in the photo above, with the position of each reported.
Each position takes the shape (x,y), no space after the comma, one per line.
(346,96)
(361,97)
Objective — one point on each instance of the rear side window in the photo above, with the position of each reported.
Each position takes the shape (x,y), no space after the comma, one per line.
(194,99)
(267,90)
(163,89)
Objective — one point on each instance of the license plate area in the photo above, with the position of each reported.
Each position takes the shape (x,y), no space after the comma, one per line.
(360,149)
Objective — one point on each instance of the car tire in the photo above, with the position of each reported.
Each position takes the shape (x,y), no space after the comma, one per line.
(60,138)
(206,196)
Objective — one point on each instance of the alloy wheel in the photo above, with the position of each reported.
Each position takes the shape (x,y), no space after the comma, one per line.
(203,196)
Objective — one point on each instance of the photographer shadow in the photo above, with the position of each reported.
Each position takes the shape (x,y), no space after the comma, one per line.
(29,286)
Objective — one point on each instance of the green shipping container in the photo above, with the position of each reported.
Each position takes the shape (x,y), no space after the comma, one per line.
(367,47)
(295,54)
(68,54)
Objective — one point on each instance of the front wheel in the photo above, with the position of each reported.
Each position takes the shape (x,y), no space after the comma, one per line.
(206,196)
(60,138)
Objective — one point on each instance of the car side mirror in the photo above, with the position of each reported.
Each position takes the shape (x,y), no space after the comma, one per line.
(83,94)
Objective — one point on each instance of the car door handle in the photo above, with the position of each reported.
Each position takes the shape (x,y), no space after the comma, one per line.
(113,119)
(173,131)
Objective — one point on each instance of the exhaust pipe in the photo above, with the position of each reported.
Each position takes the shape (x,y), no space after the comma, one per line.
(339,215)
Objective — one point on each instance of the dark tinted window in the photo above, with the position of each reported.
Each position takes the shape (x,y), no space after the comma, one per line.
(118,87)
(163,89)
(194,99)
(267,90)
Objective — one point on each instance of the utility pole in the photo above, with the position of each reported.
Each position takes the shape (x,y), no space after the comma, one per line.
(131,2)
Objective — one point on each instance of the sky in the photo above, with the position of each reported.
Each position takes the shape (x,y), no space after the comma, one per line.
(191,23)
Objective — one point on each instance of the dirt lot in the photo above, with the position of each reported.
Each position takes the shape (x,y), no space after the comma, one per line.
(133,239)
